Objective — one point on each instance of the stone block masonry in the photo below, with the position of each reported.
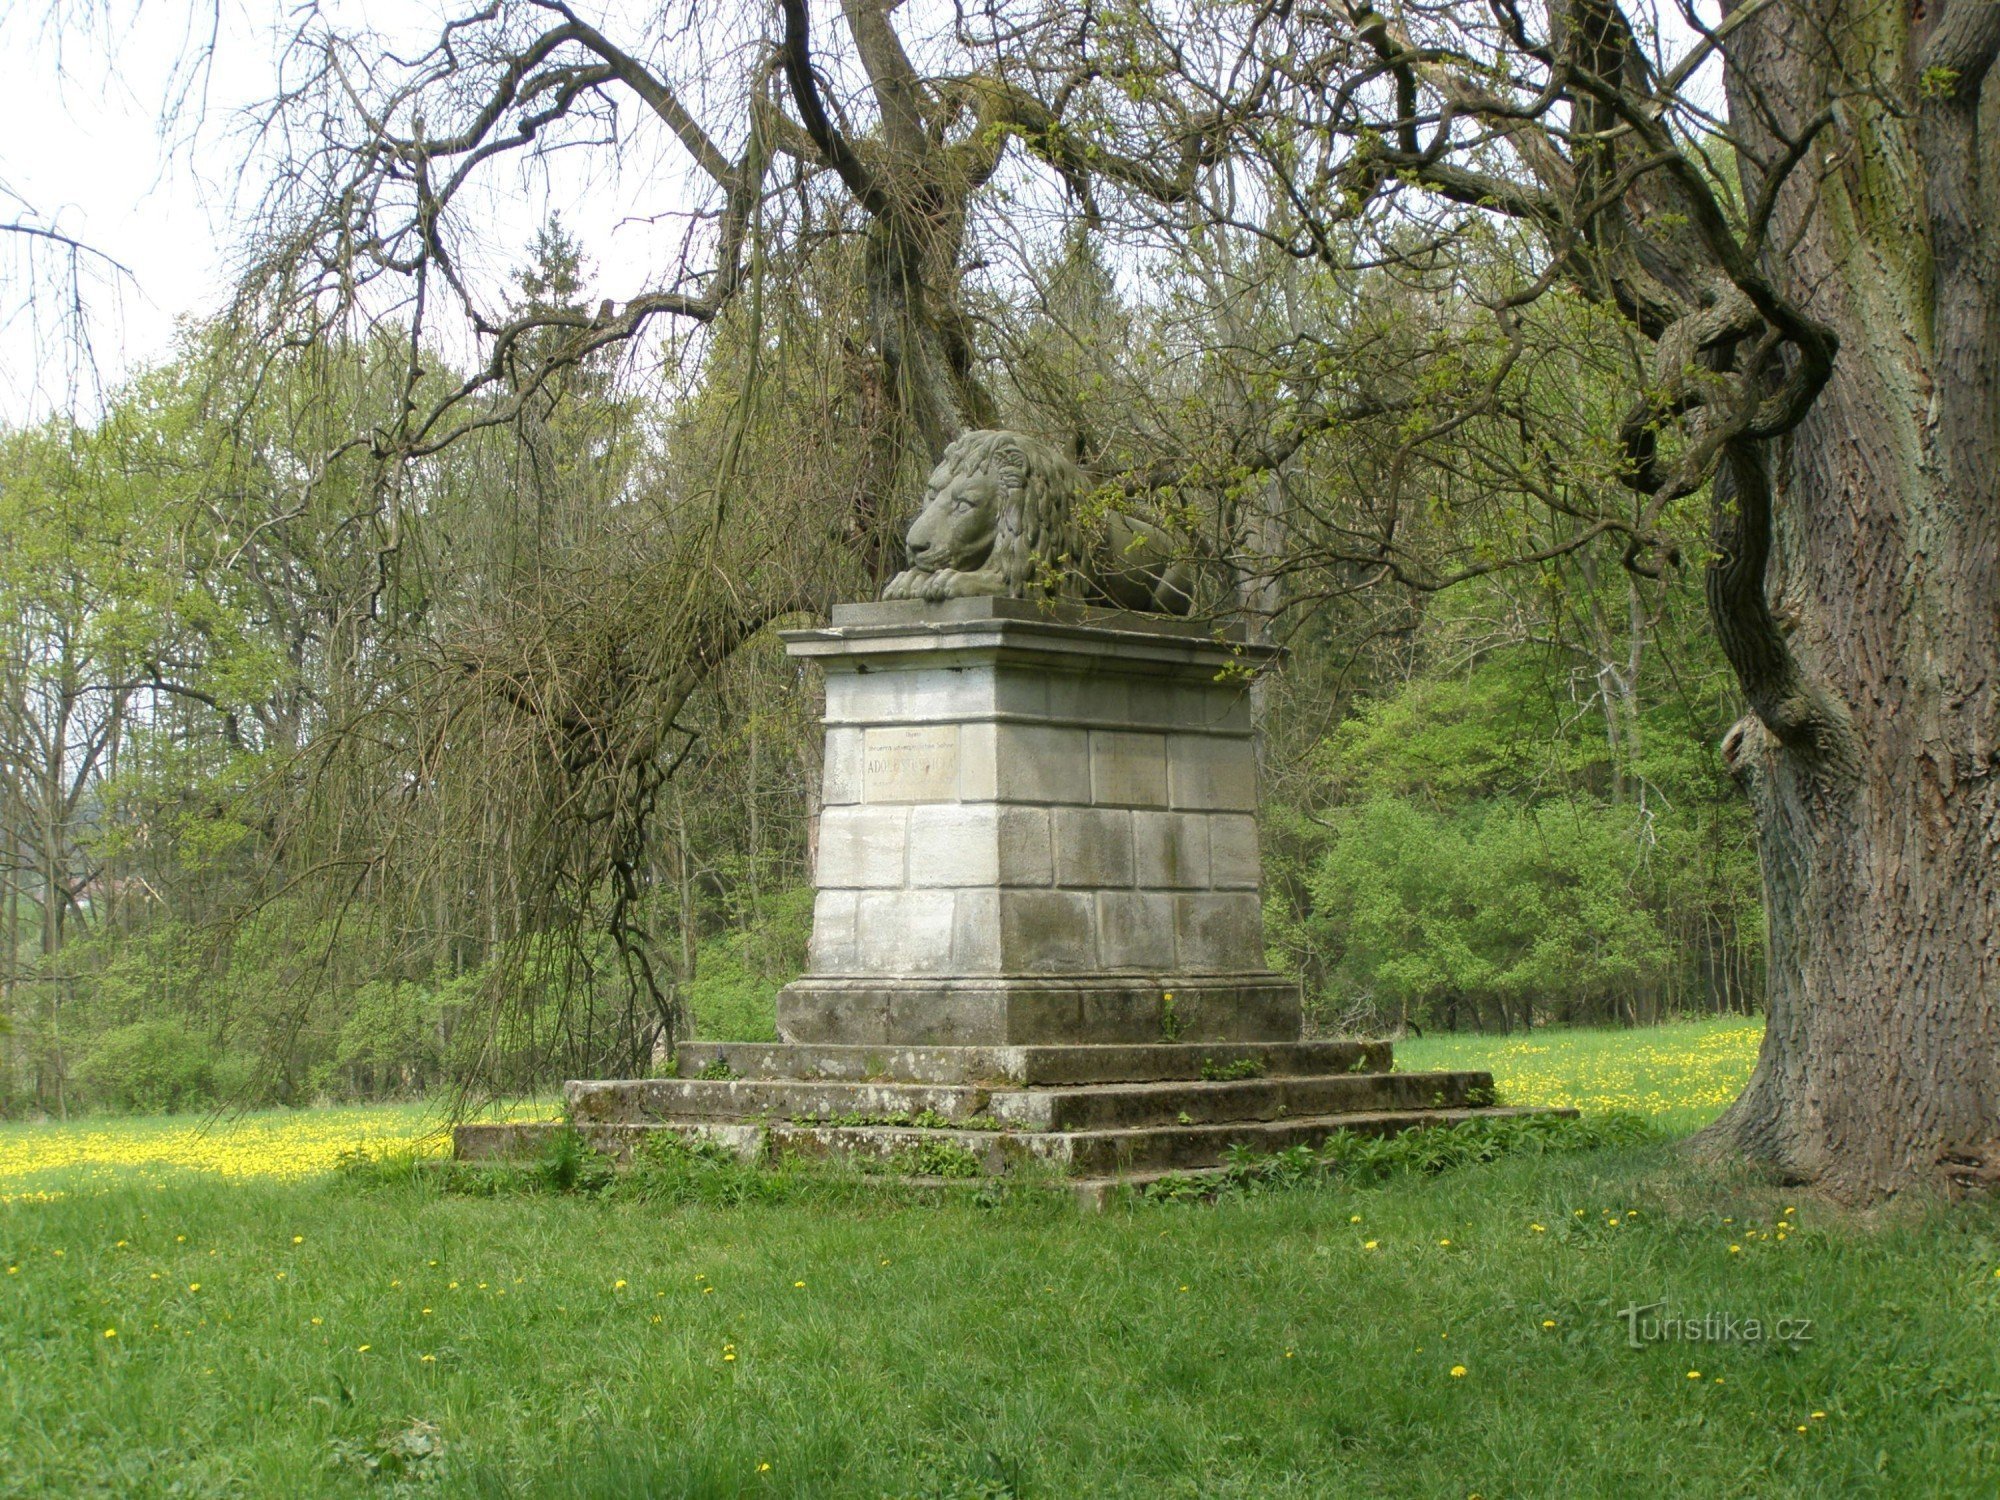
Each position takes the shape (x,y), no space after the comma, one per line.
(1018,796)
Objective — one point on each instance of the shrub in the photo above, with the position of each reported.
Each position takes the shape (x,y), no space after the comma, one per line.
(152,1067)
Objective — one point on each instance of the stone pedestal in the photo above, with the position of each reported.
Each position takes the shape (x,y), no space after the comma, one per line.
(1039,828)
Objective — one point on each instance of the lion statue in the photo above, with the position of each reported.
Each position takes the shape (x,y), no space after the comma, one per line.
(999,517)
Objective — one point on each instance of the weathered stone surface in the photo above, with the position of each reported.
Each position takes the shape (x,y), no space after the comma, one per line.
(834,948)
(1045,932)
(1232,852)
(1135,930)
(1219,933)
(955,844)
(1041,763)
(1038,1066)
(1091,1106)
(904,932)
(1128,768)
(1093,846)
(1212,773)
(840,781)
(1170,850)
(999,778)
(1102,1114)
(862,846)
(996,511)
(1026,848)
(1026,1010)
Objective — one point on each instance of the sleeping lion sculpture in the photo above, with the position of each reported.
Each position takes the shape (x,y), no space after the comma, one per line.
(999,517)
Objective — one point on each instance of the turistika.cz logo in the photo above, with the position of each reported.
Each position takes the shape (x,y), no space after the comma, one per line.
(1653,1324)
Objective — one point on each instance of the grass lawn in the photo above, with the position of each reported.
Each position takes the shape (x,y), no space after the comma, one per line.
(168,1330)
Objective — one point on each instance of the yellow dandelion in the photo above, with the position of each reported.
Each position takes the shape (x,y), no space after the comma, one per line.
(1694,1374)
(1457,1372)
(13,1270)
(429,1359)
(1735,1249)
(729,1359)
(111,1333)
(1819,1416)
(298,1239)
(798,1283)
(706,1290)
(1802,1427)
(1538,1229)
(616,1286)
(1370,1245)
(1354,1218)
(763,1468)
(1444,1244)
(316,1322)
(194,1286)
(1548,1322)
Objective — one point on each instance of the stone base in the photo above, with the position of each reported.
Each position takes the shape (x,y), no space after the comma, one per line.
(1006,1011)
(1098,1116)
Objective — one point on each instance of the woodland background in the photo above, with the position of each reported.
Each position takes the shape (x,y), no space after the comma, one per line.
(296,776)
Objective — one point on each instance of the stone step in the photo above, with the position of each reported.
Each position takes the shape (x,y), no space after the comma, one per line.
(1137,1105)
(523,1142)
(1088,1107)
(1120,1154)
(1098,1153)
(1031,1066)
(651,1100)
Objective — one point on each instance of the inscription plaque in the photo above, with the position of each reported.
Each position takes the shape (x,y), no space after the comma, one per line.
(916,763)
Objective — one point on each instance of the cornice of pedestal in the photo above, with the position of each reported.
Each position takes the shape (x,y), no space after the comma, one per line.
(916,632)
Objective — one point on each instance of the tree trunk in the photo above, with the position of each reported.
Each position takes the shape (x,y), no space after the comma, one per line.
(1871,753)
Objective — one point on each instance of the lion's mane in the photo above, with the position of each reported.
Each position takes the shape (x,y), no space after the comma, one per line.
(1038,487)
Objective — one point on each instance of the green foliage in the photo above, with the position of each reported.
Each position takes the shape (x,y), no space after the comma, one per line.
(153,1067)
(1352,1159)
(739,971)
(569,1165)
(1243,1067)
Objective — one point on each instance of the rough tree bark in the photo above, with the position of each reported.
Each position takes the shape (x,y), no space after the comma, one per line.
(1872,747)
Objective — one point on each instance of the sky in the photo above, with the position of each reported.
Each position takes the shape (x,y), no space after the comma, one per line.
(96,139)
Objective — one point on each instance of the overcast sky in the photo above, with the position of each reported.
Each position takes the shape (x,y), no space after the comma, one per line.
(94,145)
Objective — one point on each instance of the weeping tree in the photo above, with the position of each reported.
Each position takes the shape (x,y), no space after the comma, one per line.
(817,316)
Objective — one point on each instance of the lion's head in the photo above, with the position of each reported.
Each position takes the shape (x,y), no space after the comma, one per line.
(997,504)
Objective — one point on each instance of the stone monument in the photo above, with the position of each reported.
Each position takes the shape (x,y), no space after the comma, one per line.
(1037,934)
